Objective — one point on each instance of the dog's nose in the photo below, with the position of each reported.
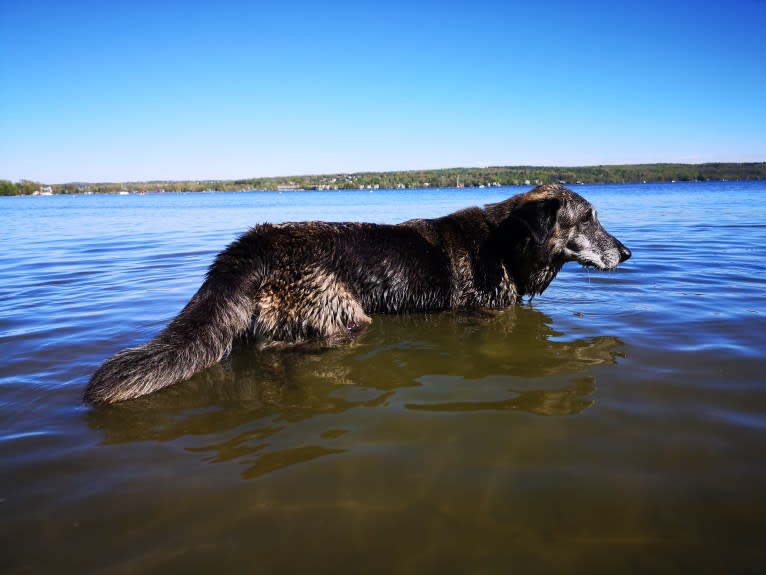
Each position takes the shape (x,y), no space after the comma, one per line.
(625,253)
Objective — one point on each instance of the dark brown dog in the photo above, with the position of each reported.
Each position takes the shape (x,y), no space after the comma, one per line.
(297,281)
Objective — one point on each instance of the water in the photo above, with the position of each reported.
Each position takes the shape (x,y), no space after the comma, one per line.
(615,424)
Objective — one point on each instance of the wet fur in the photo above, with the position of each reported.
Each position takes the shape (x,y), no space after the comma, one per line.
(298,281)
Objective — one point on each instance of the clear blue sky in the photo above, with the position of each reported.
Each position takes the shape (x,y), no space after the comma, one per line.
(140,90)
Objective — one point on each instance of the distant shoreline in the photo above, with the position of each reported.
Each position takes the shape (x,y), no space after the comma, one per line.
(418,179)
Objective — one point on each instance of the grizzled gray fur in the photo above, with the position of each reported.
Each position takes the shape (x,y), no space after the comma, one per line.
(298,281)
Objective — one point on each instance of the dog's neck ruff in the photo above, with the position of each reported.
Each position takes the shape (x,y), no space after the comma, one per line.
(467,294)
(535,281)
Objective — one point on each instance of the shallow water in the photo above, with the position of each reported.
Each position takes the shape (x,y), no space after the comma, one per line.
(617,423)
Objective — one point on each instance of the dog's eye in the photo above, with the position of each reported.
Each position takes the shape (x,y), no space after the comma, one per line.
(588,219)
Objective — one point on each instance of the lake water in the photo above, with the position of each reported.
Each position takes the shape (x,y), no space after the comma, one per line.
(615,424)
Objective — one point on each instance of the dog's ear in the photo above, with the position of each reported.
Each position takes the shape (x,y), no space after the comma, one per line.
(538,216)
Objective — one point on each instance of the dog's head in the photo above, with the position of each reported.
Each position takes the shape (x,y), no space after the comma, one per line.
(543,229)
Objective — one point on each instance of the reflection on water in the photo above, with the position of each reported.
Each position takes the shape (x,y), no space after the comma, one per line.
(449,362)
(566,401)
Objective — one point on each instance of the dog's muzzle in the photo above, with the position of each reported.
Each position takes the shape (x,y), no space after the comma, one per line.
(625,253)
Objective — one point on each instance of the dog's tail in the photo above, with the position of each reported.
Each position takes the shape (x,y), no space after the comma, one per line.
(198,337)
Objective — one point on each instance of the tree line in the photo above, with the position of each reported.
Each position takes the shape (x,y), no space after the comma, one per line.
(442,178)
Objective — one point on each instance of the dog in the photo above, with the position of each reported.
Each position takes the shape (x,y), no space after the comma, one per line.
(294,282)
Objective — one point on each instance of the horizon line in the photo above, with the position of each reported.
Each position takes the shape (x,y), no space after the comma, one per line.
(402,171)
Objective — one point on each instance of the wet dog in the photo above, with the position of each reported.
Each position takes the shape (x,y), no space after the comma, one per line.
(298,281)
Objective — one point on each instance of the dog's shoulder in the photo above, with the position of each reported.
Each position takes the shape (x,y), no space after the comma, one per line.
(468,221)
